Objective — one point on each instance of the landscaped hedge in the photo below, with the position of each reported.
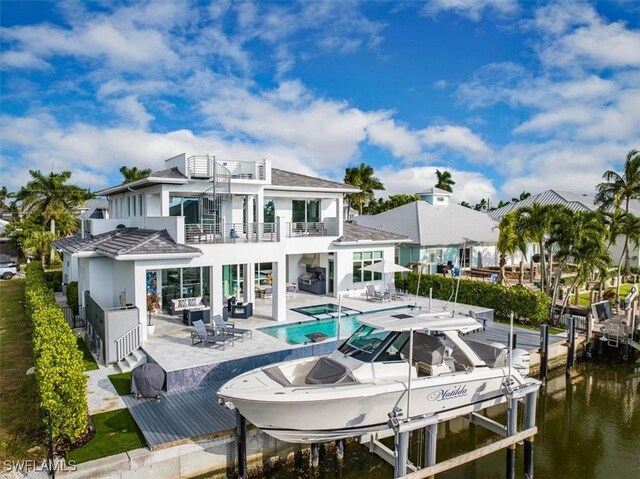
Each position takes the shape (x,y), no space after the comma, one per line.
(72,296)
(530,307)
(58,362)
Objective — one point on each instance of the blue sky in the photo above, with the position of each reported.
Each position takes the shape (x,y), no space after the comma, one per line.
(507,95)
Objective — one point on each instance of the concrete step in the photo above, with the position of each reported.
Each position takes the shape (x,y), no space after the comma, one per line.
(133,360)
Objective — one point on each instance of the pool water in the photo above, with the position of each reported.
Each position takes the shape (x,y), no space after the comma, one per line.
(318,309)
(296,333)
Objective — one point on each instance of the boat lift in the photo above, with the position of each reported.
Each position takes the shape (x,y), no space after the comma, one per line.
(400,428)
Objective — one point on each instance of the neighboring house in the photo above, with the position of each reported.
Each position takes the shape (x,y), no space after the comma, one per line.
(6,248)
(574,202)
(440,231)
(212,229)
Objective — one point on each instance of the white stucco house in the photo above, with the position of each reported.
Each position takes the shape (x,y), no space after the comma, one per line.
(440,231)
(210,229)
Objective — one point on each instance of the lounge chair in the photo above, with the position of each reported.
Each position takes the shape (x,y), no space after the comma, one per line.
(222,327)
(201,335)
(267,292)
(373,295)
(395,294)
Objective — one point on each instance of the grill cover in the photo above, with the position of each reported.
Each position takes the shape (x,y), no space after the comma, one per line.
(147,380)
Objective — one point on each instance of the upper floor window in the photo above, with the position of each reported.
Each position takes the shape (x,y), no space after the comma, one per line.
(305,211)
(135,209)
(269,210)
(128,205)
(140,205)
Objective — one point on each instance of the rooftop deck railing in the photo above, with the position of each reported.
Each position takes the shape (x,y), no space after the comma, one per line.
(199,233)
(203,166)
(312,229)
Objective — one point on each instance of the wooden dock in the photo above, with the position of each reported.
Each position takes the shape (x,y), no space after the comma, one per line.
(182,416)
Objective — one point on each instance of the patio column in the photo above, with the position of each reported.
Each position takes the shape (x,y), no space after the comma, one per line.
(278,298)
(215,280)
(250,282)
(259,208)
(140,296)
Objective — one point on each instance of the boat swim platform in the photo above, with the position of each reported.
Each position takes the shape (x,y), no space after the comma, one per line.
(181,417)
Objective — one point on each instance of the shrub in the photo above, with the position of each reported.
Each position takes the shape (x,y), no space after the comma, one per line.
(72,296)
(59,372)
(530,307)
(53,278)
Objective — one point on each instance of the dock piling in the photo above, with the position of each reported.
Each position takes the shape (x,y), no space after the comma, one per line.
(315,455)
(512,426)
(530,401)
(401,453)
(571,333)
(241,442)
(340,450)
(544,351)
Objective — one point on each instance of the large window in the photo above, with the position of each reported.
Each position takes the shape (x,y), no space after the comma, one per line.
(360,260)
(305,211)
(191,283)
(434,255)
(170,285)
(187,207)
(269,210)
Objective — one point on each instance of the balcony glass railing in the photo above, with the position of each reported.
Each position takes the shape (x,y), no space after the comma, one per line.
(312,229)
(231,233)
(204,167)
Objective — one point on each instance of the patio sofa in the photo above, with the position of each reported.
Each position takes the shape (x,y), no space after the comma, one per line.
(180,304)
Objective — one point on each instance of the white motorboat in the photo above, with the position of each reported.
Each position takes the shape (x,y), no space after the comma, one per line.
(417,362)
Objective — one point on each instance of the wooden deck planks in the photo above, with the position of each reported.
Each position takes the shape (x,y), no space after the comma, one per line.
(180,416)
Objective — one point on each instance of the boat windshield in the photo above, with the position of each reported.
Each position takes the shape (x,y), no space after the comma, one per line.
(364,342)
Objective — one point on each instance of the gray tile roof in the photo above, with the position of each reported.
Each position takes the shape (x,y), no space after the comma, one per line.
(168,173)
(95,208)
(435,225)
(289,178)
(125,241)
(355,232)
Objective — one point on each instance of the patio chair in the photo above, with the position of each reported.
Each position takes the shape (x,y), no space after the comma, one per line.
(373,295)
(267,292)
(228,327)
(395,294)
(201,335)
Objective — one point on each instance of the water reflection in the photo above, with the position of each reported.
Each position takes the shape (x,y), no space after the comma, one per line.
(589,427)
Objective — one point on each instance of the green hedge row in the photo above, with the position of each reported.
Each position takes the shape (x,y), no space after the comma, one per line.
(72,296)
(529,307)
(53,278)
(59,371)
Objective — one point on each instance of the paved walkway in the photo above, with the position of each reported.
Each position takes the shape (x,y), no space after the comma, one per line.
(101,395)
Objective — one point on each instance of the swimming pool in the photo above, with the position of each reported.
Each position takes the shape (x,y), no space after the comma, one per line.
(296,333)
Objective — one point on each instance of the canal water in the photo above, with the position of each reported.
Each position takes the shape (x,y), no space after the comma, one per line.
(588,427)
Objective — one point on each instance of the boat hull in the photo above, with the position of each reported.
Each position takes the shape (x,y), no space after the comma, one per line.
(306,414)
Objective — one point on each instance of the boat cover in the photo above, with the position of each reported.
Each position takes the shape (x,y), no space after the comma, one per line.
(427,349)
(328,371)
(147,380)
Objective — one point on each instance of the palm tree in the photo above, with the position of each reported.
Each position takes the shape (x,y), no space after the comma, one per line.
(533,225)
(617,188)
(577,237)
(465,204)
(523,196)
(445,182)
(50,198)
(629,227)
(481,206)
(134,174)
(509,241)
(39,242)
(362,177)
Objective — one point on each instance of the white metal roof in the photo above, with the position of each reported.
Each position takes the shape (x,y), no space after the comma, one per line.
(435,225)
(430,321)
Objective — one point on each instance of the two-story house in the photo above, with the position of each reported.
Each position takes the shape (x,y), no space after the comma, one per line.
(211,229)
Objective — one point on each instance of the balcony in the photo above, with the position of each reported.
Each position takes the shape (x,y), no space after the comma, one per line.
(204,166)
(301,229)
(199,233)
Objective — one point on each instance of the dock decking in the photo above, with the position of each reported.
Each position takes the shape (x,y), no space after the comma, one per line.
(181,417)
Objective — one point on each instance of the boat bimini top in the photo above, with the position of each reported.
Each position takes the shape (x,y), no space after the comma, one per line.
(431,322)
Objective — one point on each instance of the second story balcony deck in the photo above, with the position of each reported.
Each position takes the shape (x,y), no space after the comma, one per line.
(204,233)
(314,228)
(207,166)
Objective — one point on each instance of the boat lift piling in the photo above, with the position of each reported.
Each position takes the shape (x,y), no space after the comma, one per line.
(544,351)
(571,343)
(241,443)
(401,428)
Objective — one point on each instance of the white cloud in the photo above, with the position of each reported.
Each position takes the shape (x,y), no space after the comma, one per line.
(455,137)
(398,140)
(470,186)
(132,111)
(23,60)
(471,9)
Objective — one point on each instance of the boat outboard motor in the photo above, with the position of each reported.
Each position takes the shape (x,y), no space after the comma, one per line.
(521,360)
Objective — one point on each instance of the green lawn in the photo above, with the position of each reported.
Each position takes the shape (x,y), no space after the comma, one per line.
(122,383)
(116,432)
(21,431)
(584,298)
(87,358)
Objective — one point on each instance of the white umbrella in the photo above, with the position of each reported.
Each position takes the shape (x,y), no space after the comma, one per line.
(385,267)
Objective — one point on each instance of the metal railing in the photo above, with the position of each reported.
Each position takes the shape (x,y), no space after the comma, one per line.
(204,166)
(202,233)
(561,322)
(312,229)
(128,342)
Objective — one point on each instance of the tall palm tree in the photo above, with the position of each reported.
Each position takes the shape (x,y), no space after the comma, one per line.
(134,174)
(629,228)
(445,182)
(38,242)
(509,241)
(50,197)
(362,177)
(618,189)
(534,223)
